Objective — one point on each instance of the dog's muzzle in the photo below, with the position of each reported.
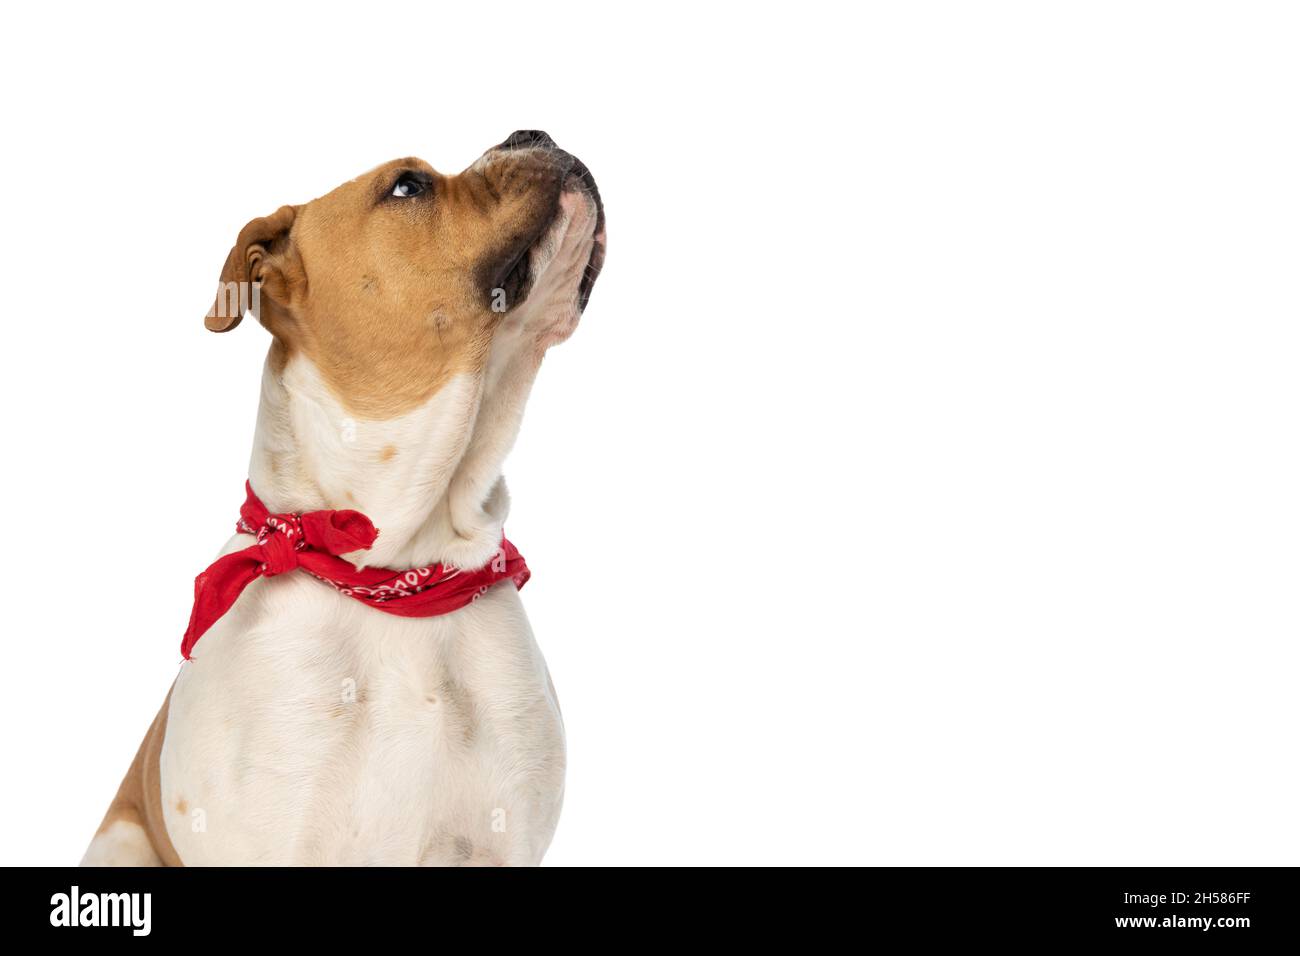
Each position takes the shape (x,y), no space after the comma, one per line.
(577,177)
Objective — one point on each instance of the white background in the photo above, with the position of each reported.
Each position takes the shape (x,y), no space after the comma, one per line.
(920,487)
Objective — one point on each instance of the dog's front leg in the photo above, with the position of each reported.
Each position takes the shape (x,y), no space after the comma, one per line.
(132,832)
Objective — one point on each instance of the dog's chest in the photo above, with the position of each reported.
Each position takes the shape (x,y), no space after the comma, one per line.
(311,729)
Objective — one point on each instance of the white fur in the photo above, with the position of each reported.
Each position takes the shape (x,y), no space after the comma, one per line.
(310,729)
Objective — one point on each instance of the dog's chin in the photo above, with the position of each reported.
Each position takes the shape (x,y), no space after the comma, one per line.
(562,265)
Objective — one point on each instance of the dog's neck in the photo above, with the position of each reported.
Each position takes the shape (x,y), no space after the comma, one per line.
(429,479)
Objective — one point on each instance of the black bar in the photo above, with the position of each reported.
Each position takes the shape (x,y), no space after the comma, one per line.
(1232,907)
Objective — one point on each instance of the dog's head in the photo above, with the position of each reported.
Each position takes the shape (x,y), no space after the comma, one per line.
(400,279)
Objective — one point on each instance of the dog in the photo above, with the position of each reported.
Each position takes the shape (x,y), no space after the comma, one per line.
(409,312)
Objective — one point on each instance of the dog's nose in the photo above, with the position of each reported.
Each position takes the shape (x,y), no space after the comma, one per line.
(524,138)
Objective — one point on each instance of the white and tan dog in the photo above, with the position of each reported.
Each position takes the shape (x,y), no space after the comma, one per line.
(309,728)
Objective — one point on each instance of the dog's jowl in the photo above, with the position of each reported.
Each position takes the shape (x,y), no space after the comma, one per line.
(361,685)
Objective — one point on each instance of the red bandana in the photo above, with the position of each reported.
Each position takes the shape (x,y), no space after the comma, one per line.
(311,541)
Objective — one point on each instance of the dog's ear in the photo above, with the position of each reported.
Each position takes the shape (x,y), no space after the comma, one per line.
(263,262)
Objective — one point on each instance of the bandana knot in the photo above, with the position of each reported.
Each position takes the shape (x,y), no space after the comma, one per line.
(315,542)
(281,539)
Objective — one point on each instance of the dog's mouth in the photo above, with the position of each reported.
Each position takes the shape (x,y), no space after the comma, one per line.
(512,284)
(519,275)
(581,180)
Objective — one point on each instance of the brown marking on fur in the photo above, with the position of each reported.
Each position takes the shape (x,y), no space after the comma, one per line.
(459,710)
(139,798)
(464,848)
(391,297)
(388,453)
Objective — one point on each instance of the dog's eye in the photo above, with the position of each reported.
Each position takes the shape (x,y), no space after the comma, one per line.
(408,185)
